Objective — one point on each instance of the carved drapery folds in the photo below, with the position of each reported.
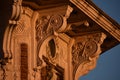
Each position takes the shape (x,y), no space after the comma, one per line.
(46,25)
(85,52)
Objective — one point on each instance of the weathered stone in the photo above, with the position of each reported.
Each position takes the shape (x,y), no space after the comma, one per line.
(55,40)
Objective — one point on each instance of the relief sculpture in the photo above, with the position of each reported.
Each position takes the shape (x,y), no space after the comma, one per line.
(45,27)
(54,40)
(41,27)
(51,71)
(85,53)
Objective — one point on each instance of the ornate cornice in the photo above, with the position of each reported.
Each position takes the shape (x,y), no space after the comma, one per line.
(36,41)
(99,18)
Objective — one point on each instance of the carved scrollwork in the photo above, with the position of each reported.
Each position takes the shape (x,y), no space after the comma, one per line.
(90,48)
(56,21)
(41,27)
(41,33)
(46,26)
(77,52)
(85,51)
(81,53)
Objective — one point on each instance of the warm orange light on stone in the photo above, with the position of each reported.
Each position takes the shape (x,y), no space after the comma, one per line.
(55,40)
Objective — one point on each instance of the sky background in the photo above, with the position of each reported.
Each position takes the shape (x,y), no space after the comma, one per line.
(108,65)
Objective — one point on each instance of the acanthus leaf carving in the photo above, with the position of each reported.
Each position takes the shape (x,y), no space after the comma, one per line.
(47,26)
(84,52)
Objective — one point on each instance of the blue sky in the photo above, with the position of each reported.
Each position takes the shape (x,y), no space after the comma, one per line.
(108,65)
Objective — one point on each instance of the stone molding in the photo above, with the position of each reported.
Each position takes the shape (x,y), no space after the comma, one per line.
(51,53)
(97,17)
(85,52)
(6,61)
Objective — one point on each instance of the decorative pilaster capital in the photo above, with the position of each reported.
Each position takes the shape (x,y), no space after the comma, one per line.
(50,23)
(85,53)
